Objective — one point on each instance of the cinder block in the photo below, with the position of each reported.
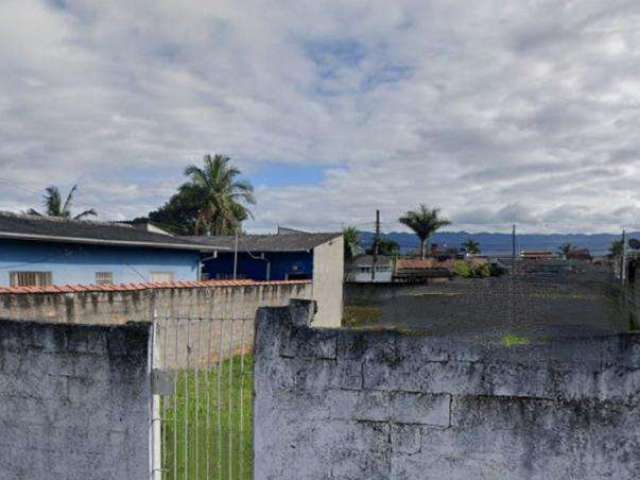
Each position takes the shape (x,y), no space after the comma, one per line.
(359,405)
(424,409)
(305,342)
(406,438)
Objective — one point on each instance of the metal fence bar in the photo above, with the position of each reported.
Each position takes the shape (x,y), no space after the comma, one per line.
(219,396)
(241,426)
(175,405)
(197,396)
(186,402)
(230,400)
(208,408)
(164,405)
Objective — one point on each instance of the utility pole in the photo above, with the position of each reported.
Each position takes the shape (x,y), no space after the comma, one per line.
(513,250)
(375,247)
(623,258)
(235,257)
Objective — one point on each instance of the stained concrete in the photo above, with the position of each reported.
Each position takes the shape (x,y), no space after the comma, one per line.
(74,402)
(344,404)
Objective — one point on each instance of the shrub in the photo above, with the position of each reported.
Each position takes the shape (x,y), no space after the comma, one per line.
(496,270)
(483,270)
(462,269)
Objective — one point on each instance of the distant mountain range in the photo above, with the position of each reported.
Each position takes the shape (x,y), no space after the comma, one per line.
(500,243)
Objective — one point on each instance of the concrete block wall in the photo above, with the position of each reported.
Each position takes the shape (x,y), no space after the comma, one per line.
(345,404)
(74,402)
(123,306)
(197,316)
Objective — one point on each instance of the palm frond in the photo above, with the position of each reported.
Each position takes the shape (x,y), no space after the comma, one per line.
(87,213)
(66,209)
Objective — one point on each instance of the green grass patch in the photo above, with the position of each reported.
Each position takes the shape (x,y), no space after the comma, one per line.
(514,340)
(358,316)
(207,428)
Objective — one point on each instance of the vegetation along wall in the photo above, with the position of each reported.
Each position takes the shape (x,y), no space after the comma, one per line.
(349,404)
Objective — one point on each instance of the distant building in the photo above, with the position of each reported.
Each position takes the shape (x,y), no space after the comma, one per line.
(580,254)
(42,251)
(289,255)
(537,255)
(398,270)
(418,270)
(360,269)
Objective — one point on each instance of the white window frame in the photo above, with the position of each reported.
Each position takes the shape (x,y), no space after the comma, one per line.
(170,277)
(30,279)
(104,278)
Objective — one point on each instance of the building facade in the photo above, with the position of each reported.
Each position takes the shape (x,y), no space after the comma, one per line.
(360,269)
(40,251)
(318,257)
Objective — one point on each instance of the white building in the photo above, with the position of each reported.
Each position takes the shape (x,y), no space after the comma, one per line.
(360,269)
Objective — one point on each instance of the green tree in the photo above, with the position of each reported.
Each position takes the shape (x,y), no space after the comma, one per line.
(472,247)
(566,248)
(616,248)
(388,247)
(424,222)
(385,247)
(179,215)
(213,202)
(222,198)
(352,246)
(54,207)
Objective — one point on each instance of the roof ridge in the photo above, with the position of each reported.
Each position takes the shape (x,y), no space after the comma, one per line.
(49,218)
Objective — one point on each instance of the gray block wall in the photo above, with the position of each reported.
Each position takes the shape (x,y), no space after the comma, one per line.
(74,402)
(341,404)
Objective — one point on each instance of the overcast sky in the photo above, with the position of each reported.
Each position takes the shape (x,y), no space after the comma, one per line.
(495,111)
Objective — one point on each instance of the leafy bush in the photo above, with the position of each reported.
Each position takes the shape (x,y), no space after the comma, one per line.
(496,270)
(462,269)
(482,271)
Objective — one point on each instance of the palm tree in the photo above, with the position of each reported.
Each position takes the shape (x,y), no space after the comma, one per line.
(424,222)
(352,246)
(472,247)
(388,247)
(565,249)
(55,207)
(222,198)
(616,249)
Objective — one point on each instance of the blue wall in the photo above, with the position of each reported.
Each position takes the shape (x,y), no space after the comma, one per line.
(78,264)
(282,265)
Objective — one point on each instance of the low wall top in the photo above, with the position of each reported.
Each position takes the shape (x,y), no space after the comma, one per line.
(135,287)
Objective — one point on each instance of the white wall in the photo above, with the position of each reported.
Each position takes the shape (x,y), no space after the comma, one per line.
(328,278)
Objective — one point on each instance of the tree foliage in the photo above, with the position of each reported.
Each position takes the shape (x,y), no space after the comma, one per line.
(386,247)
(352,246)
(424,222)
(566,248)
(55,207)
(616,248)
(472,247)
(214,201)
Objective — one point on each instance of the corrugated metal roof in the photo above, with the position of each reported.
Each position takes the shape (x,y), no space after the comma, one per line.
(35,228)
(133,287)
(289,242)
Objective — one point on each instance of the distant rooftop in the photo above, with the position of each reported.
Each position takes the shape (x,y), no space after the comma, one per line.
(51,229)
(367,261)
(285,242)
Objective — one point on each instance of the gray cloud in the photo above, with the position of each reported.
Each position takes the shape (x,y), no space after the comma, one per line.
(495,112)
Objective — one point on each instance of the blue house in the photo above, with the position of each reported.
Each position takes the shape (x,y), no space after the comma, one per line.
(40,251)
(265,257)
(317,257)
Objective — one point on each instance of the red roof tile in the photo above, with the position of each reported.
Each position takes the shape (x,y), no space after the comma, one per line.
(144,286)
